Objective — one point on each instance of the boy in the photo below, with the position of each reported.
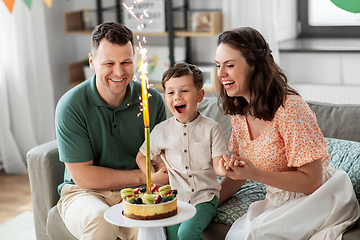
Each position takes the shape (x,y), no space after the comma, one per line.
(190,145)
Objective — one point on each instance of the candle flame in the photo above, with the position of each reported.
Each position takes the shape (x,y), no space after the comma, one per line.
(144,87)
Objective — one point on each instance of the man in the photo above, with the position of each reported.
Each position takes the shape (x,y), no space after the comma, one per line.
(99,132)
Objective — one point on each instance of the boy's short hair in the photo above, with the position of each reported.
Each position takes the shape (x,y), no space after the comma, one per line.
(114,32)
(184,69)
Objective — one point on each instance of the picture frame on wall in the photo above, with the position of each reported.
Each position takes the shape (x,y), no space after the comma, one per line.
(146,16)
(200,21)
(158,60)
(210,77)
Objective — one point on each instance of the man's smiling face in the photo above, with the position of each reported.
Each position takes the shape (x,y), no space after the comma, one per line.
(114,68)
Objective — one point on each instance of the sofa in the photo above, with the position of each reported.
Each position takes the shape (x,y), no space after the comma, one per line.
(339,124)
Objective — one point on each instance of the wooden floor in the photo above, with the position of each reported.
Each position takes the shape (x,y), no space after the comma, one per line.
(15,195)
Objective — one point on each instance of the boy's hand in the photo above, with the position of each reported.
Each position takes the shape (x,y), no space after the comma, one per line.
(158,165)
(160,176)
(238,168)
(227,163)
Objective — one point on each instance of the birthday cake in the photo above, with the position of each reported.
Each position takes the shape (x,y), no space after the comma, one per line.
(140,205)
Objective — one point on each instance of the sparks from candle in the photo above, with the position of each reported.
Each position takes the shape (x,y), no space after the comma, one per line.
(130,10)
(143,65)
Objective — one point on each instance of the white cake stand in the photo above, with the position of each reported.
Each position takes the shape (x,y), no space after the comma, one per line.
(149,229)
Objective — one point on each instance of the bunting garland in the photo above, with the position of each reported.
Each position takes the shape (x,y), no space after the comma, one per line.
(48,2)
(28,3)
(10,3)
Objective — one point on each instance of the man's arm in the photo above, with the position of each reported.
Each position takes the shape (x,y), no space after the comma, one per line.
(88,176)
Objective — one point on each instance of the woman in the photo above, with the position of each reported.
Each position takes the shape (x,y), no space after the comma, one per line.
(276,140)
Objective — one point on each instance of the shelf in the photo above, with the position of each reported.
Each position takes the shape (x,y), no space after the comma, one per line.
(76,73)
(74,24)
(76,76)
(215,88)
(151,34)
(79,32)
(74,21)
(215,27)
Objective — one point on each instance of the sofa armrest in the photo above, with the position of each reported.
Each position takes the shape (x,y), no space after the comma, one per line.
(46,172)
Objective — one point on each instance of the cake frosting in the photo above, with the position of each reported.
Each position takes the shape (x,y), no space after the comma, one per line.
(140,205)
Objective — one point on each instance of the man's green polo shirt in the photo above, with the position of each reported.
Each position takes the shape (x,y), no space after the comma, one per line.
(87,128)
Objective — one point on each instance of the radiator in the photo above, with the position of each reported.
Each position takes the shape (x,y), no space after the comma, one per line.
(340,94)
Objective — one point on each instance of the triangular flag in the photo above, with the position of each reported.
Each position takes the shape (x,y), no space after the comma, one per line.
(28,3)
(48,2)
(9,4)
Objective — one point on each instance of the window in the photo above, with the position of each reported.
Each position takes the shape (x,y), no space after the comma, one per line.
(321,18)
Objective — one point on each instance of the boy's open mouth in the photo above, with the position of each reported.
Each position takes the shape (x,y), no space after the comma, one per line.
(180,108)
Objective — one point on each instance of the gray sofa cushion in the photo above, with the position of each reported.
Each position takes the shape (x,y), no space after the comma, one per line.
(346,156)
(338,120)
(209,108)
(238,204)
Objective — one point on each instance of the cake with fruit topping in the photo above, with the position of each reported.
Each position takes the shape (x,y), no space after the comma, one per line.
(140,205)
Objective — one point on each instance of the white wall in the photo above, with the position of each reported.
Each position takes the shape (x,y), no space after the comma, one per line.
(65,49)
(322,68)
(61,46)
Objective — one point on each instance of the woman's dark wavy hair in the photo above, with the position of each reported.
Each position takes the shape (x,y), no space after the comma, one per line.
(267,82)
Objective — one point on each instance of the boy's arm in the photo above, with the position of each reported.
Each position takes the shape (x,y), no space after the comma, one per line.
(160,176)
(141,162)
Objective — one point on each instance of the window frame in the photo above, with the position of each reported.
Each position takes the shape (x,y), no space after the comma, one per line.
(306,30)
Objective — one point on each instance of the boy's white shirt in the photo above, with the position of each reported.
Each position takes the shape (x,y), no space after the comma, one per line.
(189,149)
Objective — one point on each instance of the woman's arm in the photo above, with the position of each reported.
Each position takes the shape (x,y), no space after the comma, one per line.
(304,179)
(228,188)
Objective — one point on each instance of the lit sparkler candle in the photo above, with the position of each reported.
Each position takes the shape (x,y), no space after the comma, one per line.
(145,107)
(144,95)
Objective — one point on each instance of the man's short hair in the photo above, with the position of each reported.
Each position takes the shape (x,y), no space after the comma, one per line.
(114,32)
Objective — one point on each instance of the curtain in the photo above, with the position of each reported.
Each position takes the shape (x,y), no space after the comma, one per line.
(26,91)
(270,17)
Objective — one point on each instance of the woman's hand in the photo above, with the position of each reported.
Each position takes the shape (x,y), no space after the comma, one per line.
(304,179)
(238,168)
